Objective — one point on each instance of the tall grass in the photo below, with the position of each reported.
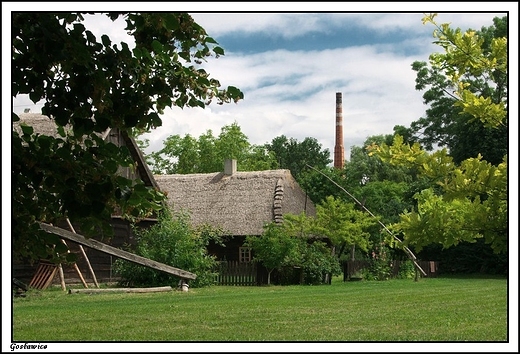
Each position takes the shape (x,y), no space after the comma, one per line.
(439,309)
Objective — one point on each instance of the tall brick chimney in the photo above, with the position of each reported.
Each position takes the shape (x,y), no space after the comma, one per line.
(339,150)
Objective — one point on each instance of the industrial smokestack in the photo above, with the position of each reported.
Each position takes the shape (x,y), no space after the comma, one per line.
(339,150)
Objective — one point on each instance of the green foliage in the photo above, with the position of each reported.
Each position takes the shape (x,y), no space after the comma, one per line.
(471,203)
(318,187)
(291,245)
(343,225)
(275,248)
(379,267)
(174,242)
(464,57)
(90,84)
(406,270)
(467,200)
(363,168)
(295,156)
(318,262)
(208,153)
(456,115)
(386,198)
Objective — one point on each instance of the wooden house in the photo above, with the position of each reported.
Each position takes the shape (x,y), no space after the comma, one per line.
(102,263)
(240,203)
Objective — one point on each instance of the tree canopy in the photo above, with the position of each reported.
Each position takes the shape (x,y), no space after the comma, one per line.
(184,155)
(91,84)
(294,155)
(467,200)
(456,118)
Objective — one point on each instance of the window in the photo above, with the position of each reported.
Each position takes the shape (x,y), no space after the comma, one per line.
(244,254)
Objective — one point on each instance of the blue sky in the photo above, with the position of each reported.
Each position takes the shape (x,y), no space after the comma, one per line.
(290,66)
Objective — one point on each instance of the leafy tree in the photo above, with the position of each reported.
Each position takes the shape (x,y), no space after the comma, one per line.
(232,143)
(318,263)
(259,159)
(363,168)
(175,242)
(90,84)
(318,187)
(275,248)
(317,260)
(385,198)
(479,62)
(207,154)
(295,156)
(471,201)
(343,225)
(293,244)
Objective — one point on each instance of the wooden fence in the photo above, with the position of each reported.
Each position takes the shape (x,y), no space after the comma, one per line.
(352,267)
(236,273)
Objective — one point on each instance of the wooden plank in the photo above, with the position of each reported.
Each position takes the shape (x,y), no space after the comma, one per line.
(102,247)
(122,290)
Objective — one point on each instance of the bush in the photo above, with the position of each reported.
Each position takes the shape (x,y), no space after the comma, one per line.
(318,261)
(172,241)
(406,270)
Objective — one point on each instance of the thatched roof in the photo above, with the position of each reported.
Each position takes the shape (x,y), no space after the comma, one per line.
(44,125)
(240,203)
(41,124)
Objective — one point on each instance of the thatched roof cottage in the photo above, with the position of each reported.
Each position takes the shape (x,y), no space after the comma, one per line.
(240,203)
(44,125)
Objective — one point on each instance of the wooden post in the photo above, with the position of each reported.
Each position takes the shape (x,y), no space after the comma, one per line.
(60,268)
(85,256)
(76,268)
(62,277)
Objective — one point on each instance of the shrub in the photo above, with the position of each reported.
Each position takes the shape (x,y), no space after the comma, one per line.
(172,241)
(406,270)
(317,262)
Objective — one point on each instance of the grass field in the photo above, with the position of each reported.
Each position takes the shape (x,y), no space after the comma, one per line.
(440,309)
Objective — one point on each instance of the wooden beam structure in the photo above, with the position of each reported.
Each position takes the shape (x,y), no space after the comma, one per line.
(102,247)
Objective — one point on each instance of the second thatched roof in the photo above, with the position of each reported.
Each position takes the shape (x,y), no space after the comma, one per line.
(240,203)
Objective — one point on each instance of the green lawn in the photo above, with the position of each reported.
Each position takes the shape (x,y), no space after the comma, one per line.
(441,309)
